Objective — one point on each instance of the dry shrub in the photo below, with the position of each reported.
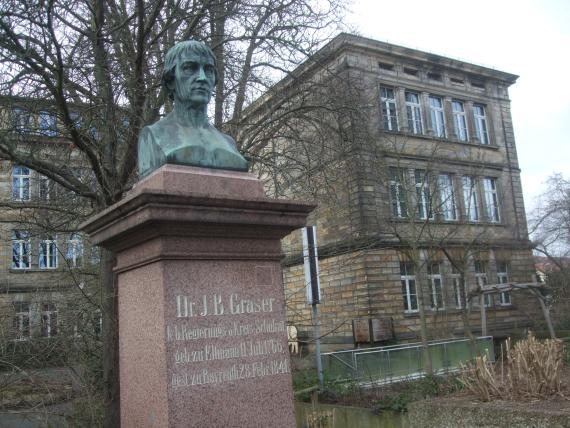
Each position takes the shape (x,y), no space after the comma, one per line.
(320,418)
(531,369)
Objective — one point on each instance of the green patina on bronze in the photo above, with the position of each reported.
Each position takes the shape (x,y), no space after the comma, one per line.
(185,136)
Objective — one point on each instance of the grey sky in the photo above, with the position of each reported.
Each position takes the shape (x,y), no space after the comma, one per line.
(524,37)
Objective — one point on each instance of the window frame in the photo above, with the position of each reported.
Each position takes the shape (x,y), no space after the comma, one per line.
(408,282)
(470,200)
(21,183)
(446,194)
(48,249)
(505,298)
(460,126)
(74,251)
(22,120)
(49,320)
(47,123)
(480,120)
(414,113)
(22,321)
(388,106)
(437,117)
(23,251)
(423,196)
(481,268)
(396,182)
(491,198)
(434,276)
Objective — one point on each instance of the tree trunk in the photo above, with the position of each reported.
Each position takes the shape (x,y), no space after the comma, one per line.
(110,340)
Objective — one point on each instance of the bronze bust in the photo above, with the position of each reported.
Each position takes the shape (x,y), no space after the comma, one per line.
(185,136)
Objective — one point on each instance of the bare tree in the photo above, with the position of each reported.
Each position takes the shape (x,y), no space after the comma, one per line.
(97,64)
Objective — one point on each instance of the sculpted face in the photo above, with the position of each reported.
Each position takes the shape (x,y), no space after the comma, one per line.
(194,78)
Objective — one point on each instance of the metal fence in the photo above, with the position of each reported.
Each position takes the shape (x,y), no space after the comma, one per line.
(398,362)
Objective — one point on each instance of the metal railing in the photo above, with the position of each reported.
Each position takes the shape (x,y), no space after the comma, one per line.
(405,361)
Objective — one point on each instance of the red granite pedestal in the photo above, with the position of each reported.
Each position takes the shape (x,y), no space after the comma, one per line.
(203,339)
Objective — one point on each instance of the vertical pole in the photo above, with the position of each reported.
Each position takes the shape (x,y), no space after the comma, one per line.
(545,312)
(317,336)
(483,315)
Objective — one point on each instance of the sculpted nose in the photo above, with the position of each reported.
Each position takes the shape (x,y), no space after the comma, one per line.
(201,74)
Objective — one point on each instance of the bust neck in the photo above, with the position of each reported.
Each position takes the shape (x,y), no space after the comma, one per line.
(191,115)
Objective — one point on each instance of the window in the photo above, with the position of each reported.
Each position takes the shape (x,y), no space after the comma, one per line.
(20,183)
(48,253)
(437,116)
(433,75)
(423,196)
(503,278)
(408,287)
(95,258)
(397,192)
(481,278)
(74,251)
(470,199)
(436,291)
(388,102)
(385,66)
(491,199)
(456,281)
(414,113)
(447,198)
(20,249)
(46,189)
(459,121)
(47,123)
(21,323)
(480,123)
(75,119)
(49,320)
(411,71)
(22,120)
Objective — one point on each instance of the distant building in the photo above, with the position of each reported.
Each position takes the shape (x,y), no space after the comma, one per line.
(428,191)
(46,267)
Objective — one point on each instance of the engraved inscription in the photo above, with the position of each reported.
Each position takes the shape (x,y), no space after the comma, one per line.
(253,345)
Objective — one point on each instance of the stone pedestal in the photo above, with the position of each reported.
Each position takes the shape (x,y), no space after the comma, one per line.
(203,338)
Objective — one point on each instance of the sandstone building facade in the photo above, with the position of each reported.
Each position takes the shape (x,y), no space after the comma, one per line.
(427,193)
(47,269)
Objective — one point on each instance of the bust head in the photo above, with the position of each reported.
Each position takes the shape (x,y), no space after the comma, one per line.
(185,63)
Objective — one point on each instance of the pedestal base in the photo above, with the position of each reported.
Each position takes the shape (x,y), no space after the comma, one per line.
(203,337)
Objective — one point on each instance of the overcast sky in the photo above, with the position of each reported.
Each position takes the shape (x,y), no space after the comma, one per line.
(527,38)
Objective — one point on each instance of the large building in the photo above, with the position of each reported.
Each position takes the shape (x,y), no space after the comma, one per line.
(422,193)
(47,270)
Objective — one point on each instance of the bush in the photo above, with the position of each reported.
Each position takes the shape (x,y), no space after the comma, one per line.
(530,369)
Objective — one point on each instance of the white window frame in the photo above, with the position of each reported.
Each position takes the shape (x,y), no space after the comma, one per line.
(22,120)
(481,279)
(45,188)
(470,206)
(408,285)
(492,210)
(47,123)
(389,109)
(459,120)
(437,116)
(414,112)
(503,278)
(448,207)
(423,195)
(22,321)
(481,130)
(49,320)
(399,204)
(21,179)
(436,287)
(48,251)
(21,250)
(74,251)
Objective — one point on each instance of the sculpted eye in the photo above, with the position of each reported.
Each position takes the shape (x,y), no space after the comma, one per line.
(209,69)
(189,66)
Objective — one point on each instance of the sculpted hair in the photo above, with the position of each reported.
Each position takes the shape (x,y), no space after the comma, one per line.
(171,59)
